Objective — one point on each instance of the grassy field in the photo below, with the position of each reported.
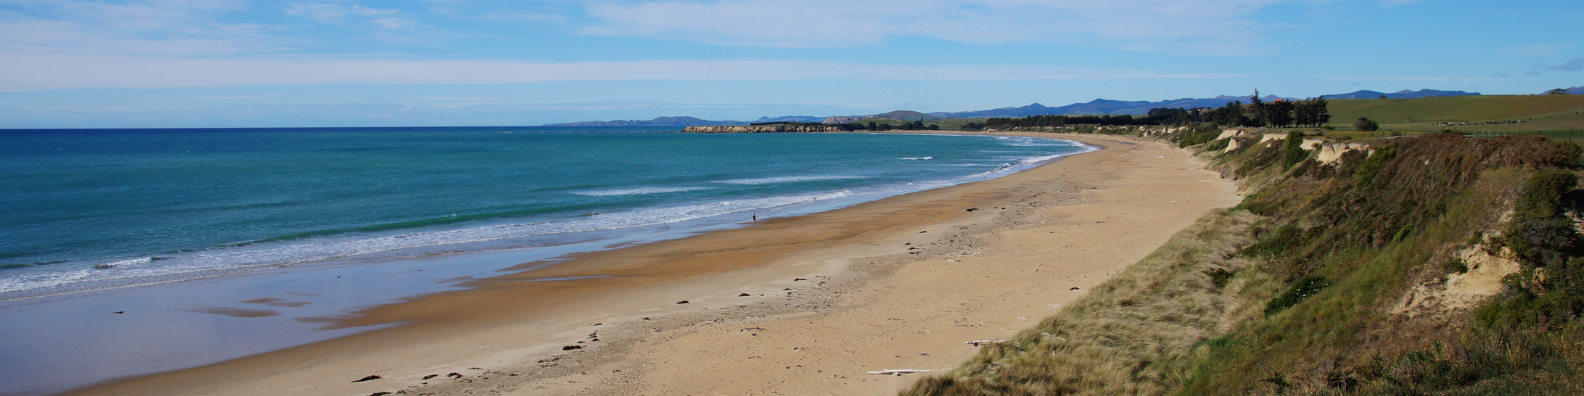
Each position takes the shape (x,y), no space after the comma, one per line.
(957,123)
(1556,114)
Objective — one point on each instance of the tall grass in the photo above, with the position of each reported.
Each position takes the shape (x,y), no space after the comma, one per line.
(1130,335)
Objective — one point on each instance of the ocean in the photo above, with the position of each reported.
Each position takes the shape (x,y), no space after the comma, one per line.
(94,209)
(183,229)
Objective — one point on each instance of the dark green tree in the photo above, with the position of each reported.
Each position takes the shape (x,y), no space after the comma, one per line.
(1257,110)
(1322,111)
(1365,125)
(1279,114)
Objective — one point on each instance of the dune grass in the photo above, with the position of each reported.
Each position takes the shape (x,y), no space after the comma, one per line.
(1130,335)
(1296,290)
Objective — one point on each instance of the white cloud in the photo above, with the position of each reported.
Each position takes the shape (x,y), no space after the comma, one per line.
(1537,49)
(1223,26)
(393,23)
(34,71)
(1574,64)
(1410,78)
(159,27)
(341,12)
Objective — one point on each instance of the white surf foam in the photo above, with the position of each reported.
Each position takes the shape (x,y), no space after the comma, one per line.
(297,252)
(124,263)
(639,191)
(787,179)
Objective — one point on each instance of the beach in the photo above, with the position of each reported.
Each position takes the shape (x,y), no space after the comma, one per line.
(796,305)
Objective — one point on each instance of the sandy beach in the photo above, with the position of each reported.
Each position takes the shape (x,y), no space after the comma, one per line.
(801,305)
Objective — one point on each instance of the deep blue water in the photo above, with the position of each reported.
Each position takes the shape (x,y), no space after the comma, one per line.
(90,209)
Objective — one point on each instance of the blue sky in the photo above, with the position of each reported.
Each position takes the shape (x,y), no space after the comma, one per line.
(239,63)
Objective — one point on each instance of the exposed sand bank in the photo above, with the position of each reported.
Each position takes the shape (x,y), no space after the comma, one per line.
(899,283)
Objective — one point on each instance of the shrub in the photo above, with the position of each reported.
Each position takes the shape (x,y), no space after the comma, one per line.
(1293,151)
(1300,290)
(1199,134)
(1219,277)
(1365,125)
(1372,166)
(1218,145)
(1539,233)
(1274,243)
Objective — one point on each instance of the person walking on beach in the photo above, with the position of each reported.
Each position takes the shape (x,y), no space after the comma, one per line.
(756,217)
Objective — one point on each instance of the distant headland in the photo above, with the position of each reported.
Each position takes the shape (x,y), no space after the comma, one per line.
(1094,107)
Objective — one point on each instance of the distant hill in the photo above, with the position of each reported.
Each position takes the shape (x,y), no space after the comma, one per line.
(661,121)
(907,115)
(900,115)
(1403,94)
(1119,107)
(1104,107)
(1025,111)
(1094,107)
(1569,91)
(789,119)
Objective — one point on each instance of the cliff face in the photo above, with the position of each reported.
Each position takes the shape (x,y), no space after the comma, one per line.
(763,129)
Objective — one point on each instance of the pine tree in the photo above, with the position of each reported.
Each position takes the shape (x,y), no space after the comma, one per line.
(1258,109)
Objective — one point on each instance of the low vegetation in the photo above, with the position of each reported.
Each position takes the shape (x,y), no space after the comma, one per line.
(1359,275)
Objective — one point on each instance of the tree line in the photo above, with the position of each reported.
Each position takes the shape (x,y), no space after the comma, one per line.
(1280,113)
(859,126)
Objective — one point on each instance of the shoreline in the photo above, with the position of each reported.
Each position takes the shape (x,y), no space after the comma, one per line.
(850,260)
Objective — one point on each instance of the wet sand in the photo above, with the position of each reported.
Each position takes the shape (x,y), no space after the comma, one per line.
(898,283)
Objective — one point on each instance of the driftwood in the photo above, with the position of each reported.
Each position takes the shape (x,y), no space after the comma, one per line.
(984,342)
(898,372)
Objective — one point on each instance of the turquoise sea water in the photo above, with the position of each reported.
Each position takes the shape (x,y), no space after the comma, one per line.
(96,209)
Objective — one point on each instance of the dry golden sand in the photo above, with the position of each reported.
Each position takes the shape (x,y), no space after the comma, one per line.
(899,283)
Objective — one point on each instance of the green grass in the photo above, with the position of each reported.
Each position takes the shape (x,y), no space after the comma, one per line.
(1539,113)
(956,123)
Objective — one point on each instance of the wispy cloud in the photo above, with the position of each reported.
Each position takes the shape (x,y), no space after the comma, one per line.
(27,72)
(1574,64)
(1215,26)
(167,27)
(1537,49)
(344,13)
(334,11)
(1412,78)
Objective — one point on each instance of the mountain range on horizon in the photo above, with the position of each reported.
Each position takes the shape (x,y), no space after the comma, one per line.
(1094,107)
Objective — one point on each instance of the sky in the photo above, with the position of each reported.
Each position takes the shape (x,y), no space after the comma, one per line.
(241,63)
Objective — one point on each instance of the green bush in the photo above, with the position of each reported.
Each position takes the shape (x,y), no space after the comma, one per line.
(1539,233)
(1372,166)
(1365,125)
(1219,277)
(1293,151)
(1273,243)
(1199,134)
(1300,290)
